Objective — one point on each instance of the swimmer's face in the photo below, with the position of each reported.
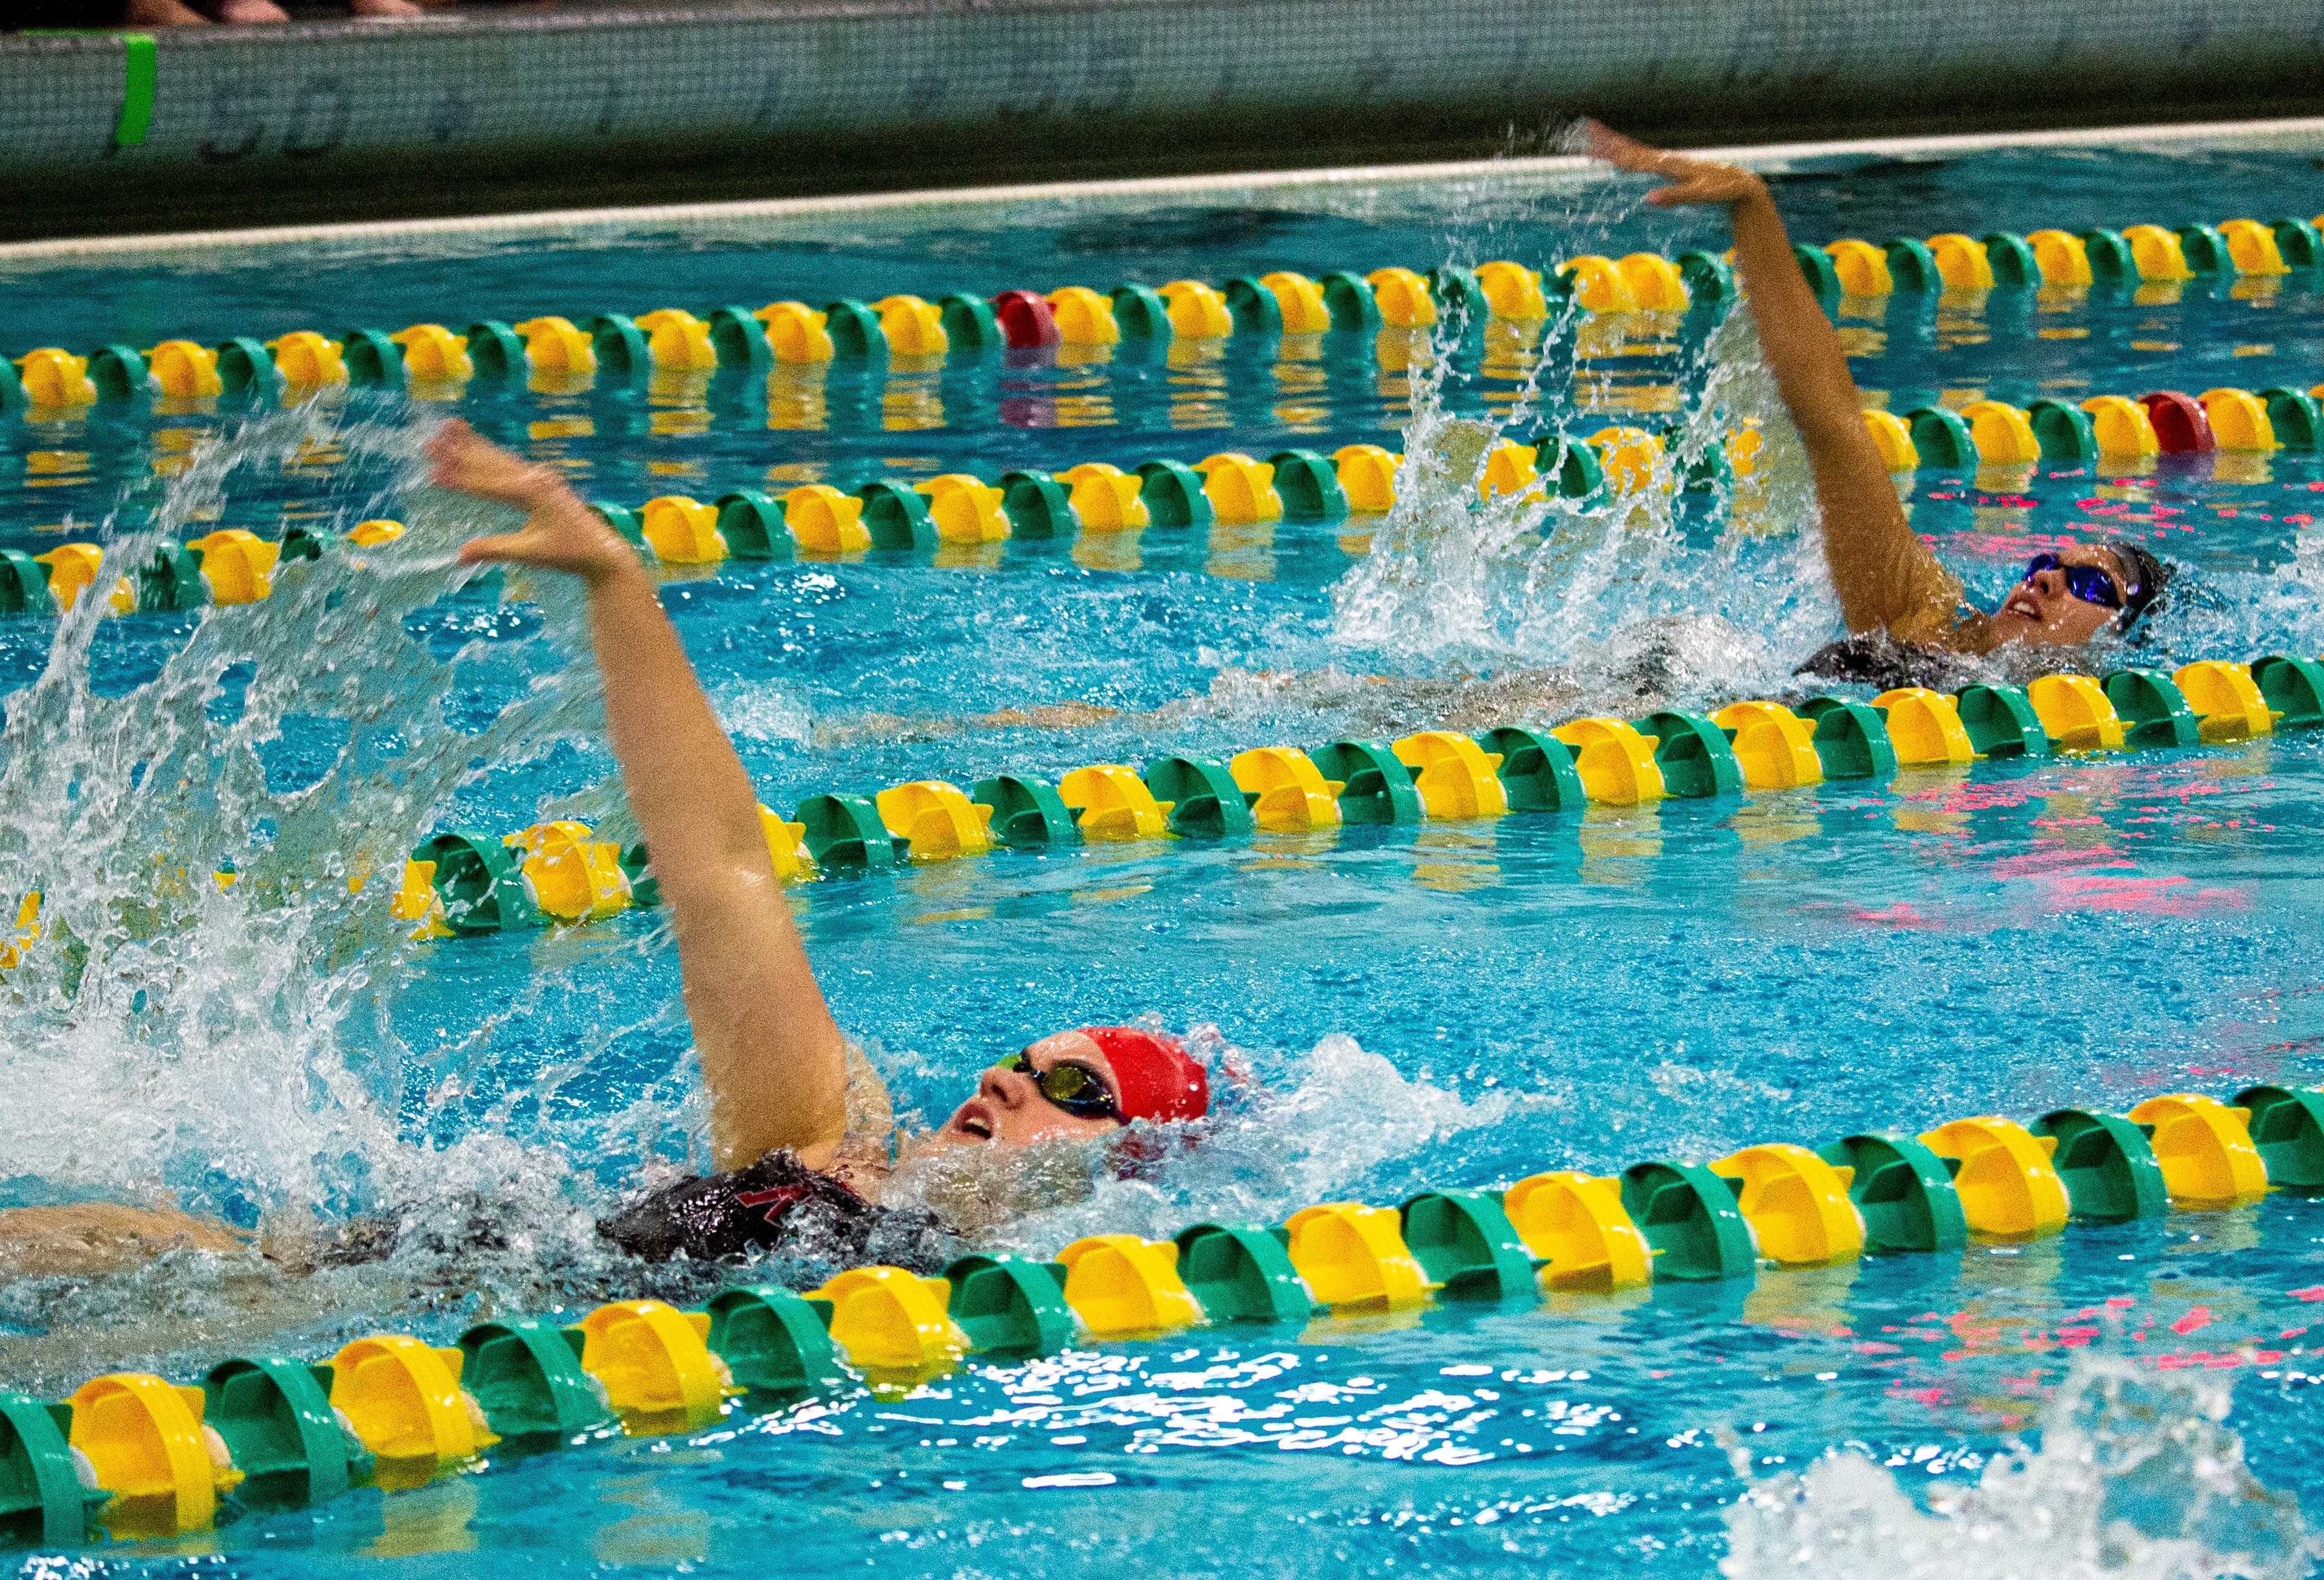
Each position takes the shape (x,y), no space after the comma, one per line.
(1008,1109)
(2044,609)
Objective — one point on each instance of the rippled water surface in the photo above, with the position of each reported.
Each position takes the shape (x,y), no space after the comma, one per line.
(1459,1005)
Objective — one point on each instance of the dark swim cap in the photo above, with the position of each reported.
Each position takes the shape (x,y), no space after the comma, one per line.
(2146,579)
(1159,1078)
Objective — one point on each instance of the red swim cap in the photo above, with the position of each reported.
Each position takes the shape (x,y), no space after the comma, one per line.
(1159,1078)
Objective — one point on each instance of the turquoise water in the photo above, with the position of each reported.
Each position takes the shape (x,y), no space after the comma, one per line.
(1454,1006)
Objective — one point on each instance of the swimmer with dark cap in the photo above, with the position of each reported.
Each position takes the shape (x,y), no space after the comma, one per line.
(1894,594)
(801,1131)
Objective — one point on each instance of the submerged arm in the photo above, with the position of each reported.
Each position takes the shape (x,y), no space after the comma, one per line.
(772,1059)
(1884,576)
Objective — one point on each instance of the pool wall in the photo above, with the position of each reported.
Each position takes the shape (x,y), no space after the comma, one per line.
(486,109)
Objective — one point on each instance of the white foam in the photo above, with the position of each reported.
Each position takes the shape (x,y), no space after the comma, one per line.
(2134,1478)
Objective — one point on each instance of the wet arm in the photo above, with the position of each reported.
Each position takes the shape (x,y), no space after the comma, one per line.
(1885,577)
(772,1059)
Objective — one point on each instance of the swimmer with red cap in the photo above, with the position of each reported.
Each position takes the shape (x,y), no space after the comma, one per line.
(802,1135)
(797,1115)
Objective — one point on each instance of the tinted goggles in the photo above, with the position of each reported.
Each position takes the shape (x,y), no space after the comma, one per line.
(1074,1088)
(2086,582)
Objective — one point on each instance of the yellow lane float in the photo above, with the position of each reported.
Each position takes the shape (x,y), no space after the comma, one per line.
(939,820)
(654,1363)
(2239,421)
(1293,796)
(2254,247)
(1796,1204)
(238,565)
(677,341)
(1925,727)
(555,344)
(1631,457)
(1577,1222)
(431,351)
(1962,262)
(1892,436)
(2063,257)
(2205,1151)
(2158,253)
(405,1402)
(786,845)
(2224,696)
(1510,471)
(145,1444)
(569,876)
(1455,777)
(184,370)
(53,376)
(2075,713)
(1084,317)
(26,934)
(965,509)
(1595,284)
(824,521)
(73,567)
(1653,282)
(1353,1259)
(892,1323)
(796,332)
(682,530)
(1105,498)
(1241,491)
(2008,1187)
(1862,268)
(2003,434)
(1616,762)
(2123,428)
(1774,746)
(1114,803)
(1121,1285)
(1197,311)
(1403,299)
(1300,301)
(1367,475)
(1513,292)
(913,327)
(307,360)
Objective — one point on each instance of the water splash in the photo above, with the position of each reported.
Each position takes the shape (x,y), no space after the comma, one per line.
(1656,590)
(173,1032)
(2136,1478)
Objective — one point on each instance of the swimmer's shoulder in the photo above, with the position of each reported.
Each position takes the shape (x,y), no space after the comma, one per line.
(83,1239)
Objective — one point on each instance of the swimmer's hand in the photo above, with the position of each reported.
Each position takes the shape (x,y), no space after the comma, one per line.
(1691,180)
(559,533)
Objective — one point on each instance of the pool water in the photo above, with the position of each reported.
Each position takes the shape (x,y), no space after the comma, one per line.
(1456,1004)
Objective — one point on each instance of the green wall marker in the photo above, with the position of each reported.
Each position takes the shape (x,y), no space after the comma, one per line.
(136,77)
(138,60)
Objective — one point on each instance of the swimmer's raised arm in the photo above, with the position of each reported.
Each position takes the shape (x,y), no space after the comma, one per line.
(774,1061)
(1884,576)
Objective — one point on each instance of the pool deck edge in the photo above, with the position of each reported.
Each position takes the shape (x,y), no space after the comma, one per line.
(566,224)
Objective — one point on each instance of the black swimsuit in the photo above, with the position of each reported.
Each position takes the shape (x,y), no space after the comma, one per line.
(778,1206)
(1877,660)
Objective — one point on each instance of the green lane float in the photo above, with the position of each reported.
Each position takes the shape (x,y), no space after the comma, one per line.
(820,520)
(2103,1159)
(434,360)
(1902,1192)
(134,1456)
(464,882)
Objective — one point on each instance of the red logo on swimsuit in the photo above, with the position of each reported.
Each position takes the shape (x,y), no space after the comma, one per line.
(778,1200)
